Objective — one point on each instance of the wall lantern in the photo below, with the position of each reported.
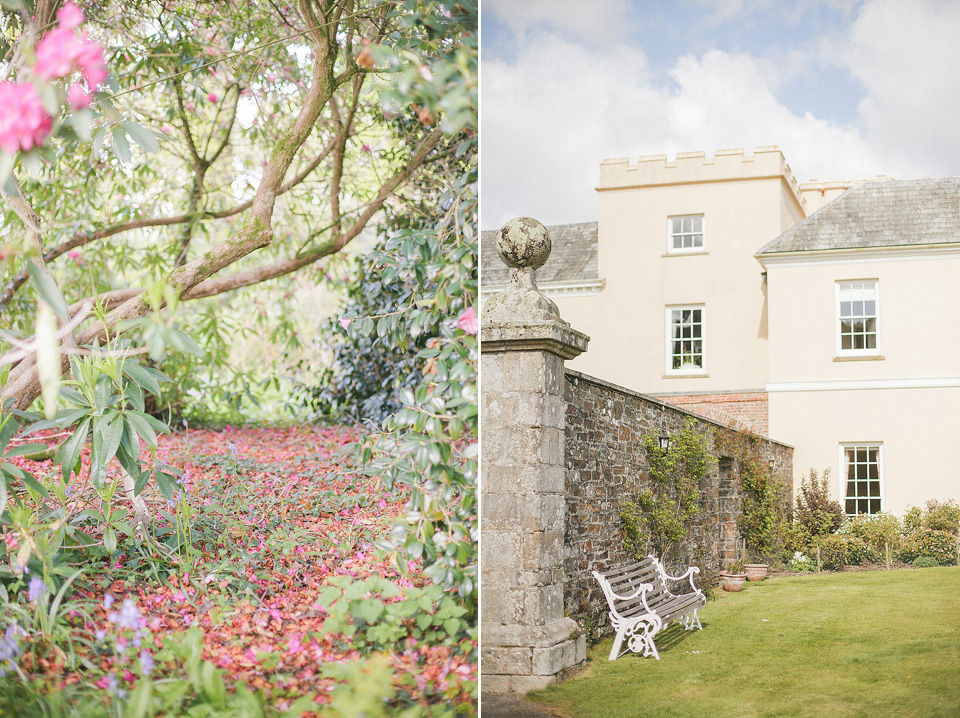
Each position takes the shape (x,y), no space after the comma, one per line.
(772,463)
(664,442)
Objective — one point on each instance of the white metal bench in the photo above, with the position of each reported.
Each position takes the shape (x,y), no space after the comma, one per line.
(641,605)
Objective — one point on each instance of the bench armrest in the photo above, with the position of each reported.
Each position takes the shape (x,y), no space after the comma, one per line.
(691,572)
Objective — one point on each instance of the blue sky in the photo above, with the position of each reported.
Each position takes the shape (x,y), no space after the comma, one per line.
(848,89)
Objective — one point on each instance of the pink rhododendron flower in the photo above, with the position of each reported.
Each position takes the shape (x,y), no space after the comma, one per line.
(295,646)
(468,321)
(57,53)
(60,52)
(78,97)
(91,63)
(24,123)
(212,97)
(365,148)
(70,16)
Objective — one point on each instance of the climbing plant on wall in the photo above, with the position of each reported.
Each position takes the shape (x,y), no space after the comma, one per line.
(764,522)
(664,511)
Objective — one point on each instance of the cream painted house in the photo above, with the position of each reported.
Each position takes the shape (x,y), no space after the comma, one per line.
(811,313)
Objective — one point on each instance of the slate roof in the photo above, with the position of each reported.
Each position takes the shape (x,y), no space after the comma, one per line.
(573,257)
(883,213)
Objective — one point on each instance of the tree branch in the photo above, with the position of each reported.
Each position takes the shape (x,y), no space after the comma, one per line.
(255,234)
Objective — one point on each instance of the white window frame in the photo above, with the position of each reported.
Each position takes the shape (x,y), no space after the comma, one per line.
(844,447)
(839,287)
(691,369)
(671,234)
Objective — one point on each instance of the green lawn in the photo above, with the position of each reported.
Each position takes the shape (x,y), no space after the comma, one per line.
(872,643)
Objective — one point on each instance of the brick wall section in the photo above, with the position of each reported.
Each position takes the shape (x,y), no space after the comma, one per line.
(741,409)
(606,466)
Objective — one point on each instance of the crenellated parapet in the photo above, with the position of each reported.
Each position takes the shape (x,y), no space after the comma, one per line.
(695,167)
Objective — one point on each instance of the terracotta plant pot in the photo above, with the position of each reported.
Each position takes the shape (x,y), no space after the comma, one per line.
(756,571)
(732,581)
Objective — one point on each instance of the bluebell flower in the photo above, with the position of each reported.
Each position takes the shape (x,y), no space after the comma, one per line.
(9,648)
(129,616)
(108,601)
(146,662)
(37,590)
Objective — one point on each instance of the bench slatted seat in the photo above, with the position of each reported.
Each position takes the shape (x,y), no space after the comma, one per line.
(641,605)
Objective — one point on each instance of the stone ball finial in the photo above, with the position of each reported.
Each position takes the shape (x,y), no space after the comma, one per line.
(523,242)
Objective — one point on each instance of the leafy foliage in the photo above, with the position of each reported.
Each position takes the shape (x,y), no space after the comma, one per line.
(877,531)
(369,370)
(816,512)
(430,443)
(663,512)
(938,545)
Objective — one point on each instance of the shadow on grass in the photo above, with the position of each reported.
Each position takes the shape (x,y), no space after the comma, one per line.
(673,637)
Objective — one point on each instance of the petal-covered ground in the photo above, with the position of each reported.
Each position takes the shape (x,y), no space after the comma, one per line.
(271,527)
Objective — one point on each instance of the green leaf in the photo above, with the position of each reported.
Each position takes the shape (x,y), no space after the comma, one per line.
(26,477)
(141,482)
(102,393)
(141,377)
(68,417)
(368,609)
(142,136)
(47,289)
(139,424)
(110,539)
(69,453)
(25,449)
(213,684)
(6,159)
(7,427)
(121,147)
(139,704)
(111,431)
(82,121)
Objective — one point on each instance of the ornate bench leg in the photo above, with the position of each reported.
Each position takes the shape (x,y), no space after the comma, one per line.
(641,634)
(617,642)
(692,620)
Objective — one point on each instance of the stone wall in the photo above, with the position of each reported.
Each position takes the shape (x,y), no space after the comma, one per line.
(606,466)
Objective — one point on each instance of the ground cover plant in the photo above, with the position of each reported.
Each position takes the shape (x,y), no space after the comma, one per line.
(852,644)
(265,586)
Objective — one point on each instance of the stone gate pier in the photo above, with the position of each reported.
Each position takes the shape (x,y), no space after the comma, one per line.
(528,642)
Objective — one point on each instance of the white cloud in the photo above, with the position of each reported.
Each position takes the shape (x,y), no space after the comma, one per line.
(907,56)
(550,117)
(596,21)
(552,112)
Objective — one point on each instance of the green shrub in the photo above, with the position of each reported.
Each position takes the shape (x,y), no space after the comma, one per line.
(943,516)
(939,545)
(925,562)
(912,521)
(833,552)
(875,531)
(816,512)
(860,552)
